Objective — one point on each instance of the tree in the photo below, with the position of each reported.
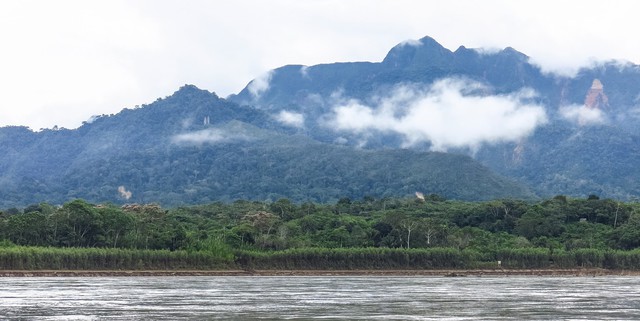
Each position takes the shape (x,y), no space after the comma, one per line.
(343,206)
(431,227)
(117,224)
(539,221)
(285,209)
(245,234)
(28,229)
(627,236)
(409,225)
(154,228)
(78,224)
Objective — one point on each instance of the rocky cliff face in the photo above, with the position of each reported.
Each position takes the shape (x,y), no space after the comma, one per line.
(596,98)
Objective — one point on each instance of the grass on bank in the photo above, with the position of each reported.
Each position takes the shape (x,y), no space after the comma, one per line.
(50,258)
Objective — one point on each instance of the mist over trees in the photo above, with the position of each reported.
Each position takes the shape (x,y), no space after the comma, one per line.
(466,125)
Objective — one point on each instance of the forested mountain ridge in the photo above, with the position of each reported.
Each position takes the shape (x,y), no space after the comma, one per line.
(584,138)
(424,119)
(425,61)
(194,147)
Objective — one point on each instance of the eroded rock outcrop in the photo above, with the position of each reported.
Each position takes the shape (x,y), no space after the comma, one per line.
(596,98)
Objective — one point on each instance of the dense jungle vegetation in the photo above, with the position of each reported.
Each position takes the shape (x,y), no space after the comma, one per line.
(367,233)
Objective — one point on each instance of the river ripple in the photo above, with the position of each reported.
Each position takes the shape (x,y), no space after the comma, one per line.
(331,298)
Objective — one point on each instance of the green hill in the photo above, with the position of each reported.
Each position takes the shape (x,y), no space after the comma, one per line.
(194,147)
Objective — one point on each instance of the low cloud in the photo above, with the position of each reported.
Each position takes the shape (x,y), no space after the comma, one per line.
(124,193)
(582,115)
(208,136)
(486,50)
(304,71)
(290,118)
(450,113)
(634,113)
(411,42)
(261,84)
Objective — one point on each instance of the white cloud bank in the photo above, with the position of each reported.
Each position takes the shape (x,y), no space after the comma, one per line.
(290,118)
(259,85)
(63,61)
(208,136)
(448,114)
(582,115)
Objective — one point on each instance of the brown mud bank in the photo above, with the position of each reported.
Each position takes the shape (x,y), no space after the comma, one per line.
(433,273)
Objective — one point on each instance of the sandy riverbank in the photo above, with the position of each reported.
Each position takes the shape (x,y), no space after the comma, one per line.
(433,273)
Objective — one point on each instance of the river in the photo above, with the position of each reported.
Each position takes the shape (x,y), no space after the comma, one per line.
(326,298)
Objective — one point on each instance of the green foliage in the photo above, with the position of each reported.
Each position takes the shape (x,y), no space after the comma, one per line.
(540,221)
(166,153)
(349,234)
(46,258)
(6,243)
(356,258)
(213,245)
(524,258)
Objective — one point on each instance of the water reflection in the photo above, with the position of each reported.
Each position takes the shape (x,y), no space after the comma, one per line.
(352,298)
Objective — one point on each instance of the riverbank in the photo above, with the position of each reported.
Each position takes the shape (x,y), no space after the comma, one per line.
(428,273)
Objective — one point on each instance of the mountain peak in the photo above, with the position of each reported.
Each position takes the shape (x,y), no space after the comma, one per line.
(189,89)
(191,92)
(426,50)
(510,52)
(430,42)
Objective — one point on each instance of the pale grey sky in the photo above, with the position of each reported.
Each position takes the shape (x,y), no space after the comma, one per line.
(63,61)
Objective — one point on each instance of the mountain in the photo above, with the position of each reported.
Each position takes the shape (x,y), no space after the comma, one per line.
(425,61)
(468,124)
(195,147)
(558,134)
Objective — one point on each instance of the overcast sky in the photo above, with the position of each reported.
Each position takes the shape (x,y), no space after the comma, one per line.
(63,61)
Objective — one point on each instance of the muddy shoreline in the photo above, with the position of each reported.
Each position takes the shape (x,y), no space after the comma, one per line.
(433,273)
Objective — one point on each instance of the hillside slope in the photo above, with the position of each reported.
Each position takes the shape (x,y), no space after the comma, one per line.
(194,147)
(583,139)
